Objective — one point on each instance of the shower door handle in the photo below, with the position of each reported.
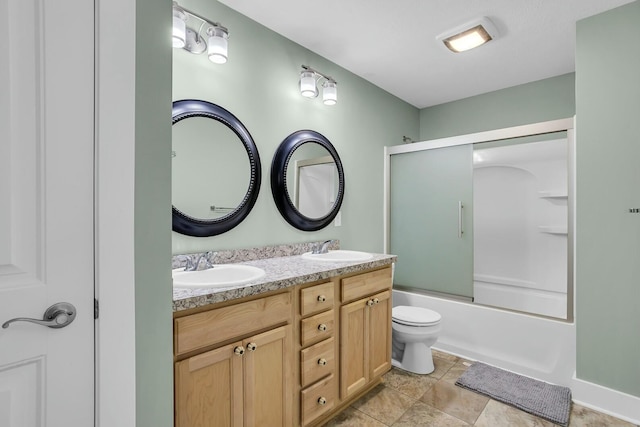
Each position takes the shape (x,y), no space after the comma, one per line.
(460,219)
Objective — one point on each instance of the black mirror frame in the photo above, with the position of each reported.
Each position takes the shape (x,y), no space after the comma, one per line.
(279,191)
(190,226)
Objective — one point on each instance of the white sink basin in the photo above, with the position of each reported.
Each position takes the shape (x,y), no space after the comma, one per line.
(338,256)
(219,276)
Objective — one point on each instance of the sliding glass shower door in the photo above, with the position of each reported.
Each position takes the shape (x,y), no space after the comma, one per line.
(431,219)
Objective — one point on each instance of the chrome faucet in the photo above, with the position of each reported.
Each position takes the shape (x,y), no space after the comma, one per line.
(194,266)
(321,248)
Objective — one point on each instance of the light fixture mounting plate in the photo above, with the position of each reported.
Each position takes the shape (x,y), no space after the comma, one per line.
(194,43)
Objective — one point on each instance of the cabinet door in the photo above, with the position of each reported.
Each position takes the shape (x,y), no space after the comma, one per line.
(208,389)
(380,334)
(268,378)
(354,347)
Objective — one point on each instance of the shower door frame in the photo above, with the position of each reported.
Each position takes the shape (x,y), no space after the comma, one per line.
(533,129)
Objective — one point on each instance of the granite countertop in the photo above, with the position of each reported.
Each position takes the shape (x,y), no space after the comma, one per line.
(281,272)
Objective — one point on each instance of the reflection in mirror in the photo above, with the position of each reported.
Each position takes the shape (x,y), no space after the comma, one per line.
(210,171)
(216,171)
(307,180)
(312,180)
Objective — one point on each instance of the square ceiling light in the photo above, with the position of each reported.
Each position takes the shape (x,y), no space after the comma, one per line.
(469,36)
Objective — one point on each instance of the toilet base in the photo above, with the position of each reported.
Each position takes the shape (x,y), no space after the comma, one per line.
(416,358)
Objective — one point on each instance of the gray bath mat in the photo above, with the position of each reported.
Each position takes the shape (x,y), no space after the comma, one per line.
(541,399)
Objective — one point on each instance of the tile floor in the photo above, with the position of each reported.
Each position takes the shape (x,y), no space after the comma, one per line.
(409,400)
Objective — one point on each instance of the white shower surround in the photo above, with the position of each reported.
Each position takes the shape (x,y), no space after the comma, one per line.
(520,227)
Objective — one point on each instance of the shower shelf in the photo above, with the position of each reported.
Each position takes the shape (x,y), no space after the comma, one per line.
(552,194)
(553,229)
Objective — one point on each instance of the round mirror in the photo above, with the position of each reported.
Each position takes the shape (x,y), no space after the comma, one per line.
(215,170)
(307,180)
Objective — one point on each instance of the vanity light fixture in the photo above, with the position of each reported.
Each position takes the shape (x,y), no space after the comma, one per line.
(193,40)
(470,35)
(309,89)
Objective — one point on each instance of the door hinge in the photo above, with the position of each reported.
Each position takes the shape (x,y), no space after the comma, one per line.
(96,309)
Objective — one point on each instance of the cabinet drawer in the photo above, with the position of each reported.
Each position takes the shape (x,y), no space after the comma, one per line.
(355,287)
(318,399)
(221,324)
(316,298)
(316,328)
(317,361)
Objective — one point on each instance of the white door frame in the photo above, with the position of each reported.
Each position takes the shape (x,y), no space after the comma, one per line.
(133,180)
(115,198)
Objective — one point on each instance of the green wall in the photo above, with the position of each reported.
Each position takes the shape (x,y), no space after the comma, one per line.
(608,184)
(259,85)
(153,290)
(534,102)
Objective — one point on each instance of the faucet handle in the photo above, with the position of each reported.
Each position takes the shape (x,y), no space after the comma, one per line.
(208,259)
(189,266)
(186,259)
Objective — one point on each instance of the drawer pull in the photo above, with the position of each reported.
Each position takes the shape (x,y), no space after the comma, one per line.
(239,350)
(322,298)
(251,346)
(322,401)
(322,362)
(370,303)
(322,327)
(376,301)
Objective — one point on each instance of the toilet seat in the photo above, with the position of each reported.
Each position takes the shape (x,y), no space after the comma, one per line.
(414,316)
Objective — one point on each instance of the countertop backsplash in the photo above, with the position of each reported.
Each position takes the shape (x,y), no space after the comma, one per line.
(242,255)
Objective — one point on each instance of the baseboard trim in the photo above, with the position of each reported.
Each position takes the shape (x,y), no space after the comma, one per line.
(602,399)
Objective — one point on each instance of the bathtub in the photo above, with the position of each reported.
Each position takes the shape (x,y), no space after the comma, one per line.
(528,345)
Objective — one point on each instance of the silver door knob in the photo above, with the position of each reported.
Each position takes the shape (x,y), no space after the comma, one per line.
(57,316)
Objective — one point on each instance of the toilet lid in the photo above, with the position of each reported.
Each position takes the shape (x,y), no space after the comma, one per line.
(414,316)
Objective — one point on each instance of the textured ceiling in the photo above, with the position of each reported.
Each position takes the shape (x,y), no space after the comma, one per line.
(393,43)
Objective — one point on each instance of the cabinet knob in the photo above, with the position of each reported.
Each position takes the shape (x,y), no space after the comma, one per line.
(322,327)
(322,362)
(239,350)
(322,400)
(322,298)
(251,346)
(370,302)
(376,301)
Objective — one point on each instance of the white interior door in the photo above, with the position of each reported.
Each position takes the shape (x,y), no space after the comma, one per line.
(46,211)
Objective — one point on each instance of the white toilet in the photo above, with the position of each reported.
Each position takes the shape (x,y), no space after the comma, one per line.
(415,330)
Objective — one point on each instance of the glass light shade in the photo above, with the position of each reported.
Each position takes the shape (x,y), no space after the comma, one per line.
(179,28)
(329,93)
(308,87)
(218,45)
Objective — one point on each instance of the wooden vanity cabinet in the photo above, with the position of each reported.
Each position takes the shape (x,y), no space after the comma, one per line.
(245,383)
(291,358)
(365,330)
